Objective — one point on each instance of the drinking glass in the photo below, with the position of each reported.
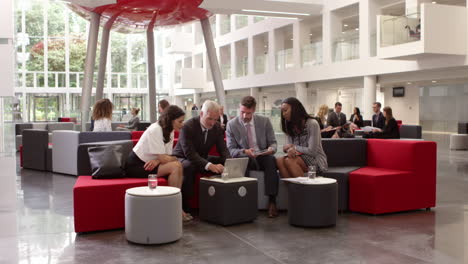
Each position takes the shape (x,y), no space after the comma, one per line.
(152,181)
(312,173)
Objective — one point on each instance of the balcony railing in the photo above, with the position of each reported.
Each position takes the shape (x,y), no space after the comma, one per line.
(261,63)
(284,60)
(346,47)
(35,79)
(242,67)
(226,71)
(311,54)
(395,30)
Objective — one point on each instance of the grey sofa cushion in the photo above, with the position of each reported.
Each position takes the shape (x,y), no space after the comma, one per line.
(35,149)
(20,127)
(84,167)
(341,175)
(88,137)
(411,131)
(345,151)
(42,126)
(60,126)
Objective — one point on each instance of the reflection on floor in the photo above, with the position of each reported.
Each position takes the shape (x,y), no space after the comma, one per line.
(36,226)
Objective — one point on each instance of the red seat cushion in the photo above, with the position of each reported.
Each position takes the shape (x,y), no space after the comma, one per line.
(100,204)
(137,134)
(21,155)
(379,190)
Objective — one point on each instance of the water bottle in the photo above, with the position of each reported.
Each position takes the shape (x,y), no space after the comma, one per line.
(312,173)
(225,174)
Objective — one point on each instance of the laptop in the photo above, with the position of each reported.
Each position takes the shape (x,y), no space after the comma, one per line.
(235,168)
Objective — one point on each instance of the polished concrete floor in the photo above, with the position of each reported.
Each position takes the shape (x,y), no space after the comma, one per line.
(36,226)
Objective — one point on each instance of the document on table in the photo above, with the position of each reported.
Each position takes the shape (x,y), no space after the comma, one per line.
(369,128)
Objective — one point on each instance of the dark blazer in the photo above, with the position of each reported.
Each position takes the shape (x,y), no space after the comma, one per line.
(359,123)
(191,144)
(334,120)
(378,120)
(389,130)
(225,120)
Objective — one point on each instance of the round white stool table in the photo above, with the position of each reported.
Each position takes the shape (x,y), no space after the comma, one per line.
(458,141)
(153,216)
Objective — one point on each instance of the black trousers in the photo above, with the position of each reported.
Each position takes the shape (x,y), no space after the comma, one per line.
(267,164)
(134,167)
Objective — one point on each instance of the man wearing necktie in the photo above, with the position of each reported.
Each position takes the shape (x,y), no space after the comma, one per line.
(336,118)
(252,136)
(196,138)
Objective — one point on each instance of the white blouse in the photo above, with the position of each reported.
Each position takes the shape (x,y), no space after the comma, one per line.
(102,125)
(151,143)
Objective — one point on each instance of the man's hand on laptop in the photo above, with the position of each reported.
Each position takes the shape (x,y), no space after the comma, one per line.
(216,168)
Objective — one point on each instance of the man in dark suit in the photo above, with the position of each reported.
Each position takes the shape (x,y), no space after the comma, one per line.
(378,120)
(222,118)
(336,118)
(252,136)
(196,138)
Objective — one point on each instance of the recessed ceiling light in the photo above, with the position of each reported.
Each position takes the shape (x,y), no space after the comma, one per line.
(275,12)
(342,32)
(345,25)
(408,83)
(357,29)
(311,34)
(291,39)
(434,81)
(434,2)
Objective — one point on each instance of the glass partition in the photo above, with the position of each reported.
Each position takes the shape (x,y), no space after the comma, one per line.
(311,54)
(284,60)
(346,47)
(260,64)
(396,30)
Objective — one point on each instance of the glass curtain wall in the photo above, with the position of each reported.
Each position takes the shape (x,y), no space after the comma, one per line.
(51,49)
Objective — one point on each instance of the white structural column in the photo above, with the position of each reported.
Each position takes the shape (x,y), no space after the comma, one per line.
(255,92)
(196,99)
(151,71)
(103,62)
(211,52)
(369,96)
(301,95)
(89,69)
(368,11)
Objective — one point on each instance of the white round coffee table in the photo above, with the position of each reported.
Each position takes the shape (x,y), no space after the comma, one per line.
(153,216)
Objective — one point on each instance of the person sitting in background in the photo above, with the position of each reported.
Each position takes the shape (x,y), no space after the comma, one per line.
(321,118)
(336,118)
(222,118)
(356,118)
(102,115)
(153,152)
(390,129)
(194,107)
(304,142)
(133,122)
(196,138)
(378,120)
(252,136)
(162,105)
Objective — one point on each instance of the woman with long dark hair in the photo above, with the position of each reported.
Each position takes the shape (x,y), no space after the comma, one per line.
(304,142)
(153,152)
(356,118)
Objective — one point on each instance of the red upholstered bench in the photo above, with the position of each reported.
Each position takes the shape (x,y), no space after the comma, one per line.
(100,204)
(136,135)
(400,176)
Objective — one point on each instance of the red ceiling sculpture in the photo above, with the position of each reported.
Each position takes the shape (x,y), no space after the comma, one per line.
(136,15)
